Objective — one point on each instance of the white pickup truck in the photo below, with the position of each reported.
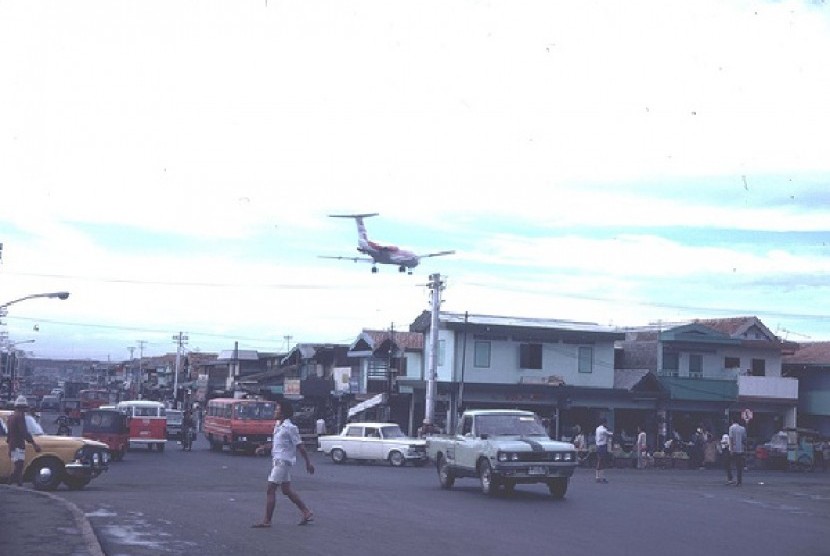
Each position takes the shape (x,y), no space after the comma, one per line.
(502,448)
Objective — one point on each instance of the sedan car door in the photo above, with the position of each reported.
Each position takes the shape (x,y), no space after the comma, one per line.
(372,445)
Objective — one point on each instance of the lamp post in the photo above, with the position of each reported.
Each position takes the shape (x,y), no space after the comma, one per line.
(51,295)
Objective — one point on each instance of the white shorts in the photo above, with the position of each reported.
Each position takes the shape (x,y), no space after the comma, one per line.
(280,472)
(18,455)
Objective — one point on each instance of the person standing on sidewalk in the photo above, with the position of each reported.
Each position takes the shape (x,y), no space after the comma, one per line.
(18,436)
(727,458)
(737,448)
(603,437)
(286,442)
(642,447)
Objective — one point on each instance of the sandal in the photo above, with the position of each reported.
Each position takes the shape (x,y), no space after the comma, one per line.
(306,519)
(260,525)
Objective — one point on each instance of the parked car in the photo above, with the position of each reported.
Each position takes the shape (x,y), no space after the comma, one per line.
(374,441)
(70,460)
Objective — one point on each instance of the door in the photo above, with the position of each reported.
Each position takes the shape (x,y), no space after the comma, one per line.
(372,445)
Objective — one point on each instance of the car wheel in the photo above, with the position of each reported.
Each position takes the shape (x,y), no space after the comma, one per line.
(489,484)
(214,445)
(160,447)
(445,476)
(76,483)
(338,455)
(47,475)
(558,488)
(396,459)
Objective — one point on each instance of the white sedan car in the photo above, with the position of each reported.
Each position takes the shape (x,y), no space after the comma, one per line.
(374,441)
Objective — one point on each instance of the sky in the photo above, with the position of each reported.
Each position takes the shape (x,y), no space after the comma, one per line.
(172,164)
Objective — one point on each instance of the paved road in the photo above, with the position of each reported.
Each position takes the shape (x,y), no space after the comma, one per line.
(203,503)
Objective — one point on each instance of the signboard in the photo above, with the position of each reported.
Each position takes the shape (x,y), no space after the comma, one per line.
(341,376)
(746,415)
(291,387)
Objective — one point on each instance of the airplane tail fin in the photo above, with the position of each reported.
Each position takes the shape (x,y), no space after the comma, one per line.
(362,237)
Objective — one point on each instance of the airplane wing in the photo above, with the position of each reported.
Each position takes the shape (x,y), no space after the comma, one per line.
(355,259)
(438,254)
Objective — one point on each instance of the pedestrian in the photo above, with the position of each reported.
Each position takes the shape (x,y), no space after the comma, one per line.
(642,447)
(33,422)
(285,445)
(737,448)
(18,435)
(727,458)
(603,437)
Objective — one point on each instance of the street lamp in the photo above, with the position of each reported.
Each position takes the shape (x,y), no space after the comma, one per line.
(53,295)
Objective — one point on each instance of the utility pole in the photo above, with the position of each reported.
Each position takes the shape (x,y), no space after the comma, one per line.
(436,286)
(180,340)
(141,368)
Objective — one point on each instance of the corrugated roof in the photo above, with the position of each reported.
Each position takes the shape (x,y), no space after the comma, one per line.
(527,322)
(810,353)
(404,340)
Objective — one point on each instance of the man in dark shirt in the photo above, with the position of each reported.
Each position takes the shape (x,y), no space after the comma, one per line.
(18,436)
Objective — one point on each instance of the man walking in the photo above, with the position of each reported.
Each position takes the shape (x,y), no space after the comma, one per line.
(284,447)
(737,448)
(727,458)
(603,437)
(18,436)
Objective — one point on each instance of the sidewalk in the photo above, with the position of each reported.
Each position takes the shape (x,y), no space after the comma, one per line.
(38,523)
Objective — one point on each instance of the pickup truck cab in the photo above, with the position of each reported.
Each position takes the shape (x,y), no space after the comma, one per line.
(502,448)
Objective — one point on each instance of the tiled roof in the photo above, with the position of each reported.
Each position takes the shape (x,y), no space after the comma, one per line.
(810,353)
(730,326)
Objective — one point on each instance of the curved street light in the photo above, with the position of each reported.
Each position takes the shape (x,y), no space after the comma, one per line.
(53,295)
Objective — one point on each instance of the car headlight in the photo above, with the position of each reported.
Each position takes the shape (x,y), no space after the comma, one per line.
(96,458)
(242,438)
(569,456)
(508,456)
(106,457)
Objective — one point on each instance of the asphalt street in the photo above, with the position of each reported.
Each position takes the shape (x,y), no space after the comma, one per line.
(203,503)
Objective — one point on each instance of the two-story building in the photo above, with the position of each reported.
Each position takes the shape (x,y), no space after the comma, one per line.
(563,370)
(810,364)
(716,368)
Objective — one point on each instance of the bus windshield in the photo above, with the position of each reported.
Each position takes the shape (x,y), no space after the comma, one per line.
(256,411)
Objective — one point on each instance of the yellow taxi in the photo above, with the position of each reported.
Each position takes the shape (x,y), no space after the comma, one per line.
(70,460)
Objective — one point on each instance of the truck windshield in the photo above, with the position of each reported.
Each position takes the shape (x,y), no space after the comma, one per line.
(509,425)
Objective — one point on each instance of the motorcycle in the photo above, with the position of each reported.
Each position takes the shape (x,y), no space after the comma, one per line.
(63,426)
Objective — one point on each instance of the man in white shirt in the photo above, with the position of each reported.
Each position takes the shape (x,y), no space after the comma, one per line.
(285,445)
(33,422)
(603,439)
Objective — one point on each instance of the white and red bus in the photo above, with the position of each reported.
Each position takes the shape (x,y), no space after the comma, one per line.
(148,422)
(239,424)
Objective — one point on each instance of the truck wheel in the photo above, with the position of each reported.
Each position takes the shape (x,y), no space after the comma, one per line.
(805,463)
(47,475)
(558,488)
(338,455)
(160,447)
(396,459)
(489,484)
(445,476)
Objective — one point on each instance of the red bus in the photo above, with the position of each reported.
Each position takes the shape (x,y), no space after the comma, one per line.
(93,399)
(239,424)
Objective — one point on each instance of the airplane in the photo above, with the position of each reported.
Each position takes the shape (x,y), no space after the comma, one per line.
(382,254)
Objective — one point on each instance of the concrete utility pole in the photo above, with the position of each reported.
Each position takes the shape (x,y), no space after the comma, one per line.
(436,286)
(141,368)
(180,340)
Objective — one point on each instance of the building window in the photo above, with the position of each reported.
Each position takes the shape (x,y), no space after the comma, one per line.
(530,356)
(481,357)
(586,359)
(671,363)
(732,362)
(442,352)
(759,367)
(695,365)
